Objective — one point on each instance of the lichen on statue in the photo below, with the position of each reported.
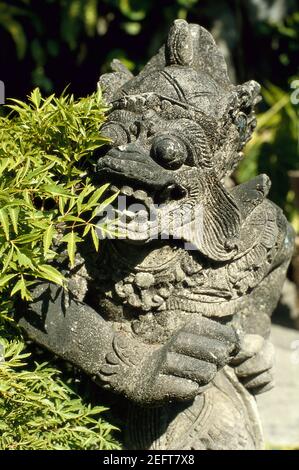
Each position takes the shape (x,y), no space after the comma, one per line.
(177,323)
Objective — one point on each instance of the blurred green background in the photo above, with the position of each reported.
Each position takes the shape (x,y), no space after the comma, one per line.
(53,43)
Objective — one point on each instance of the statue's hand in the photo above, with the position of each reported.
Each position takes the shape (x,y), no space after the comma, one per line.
(254,364)
(188,362)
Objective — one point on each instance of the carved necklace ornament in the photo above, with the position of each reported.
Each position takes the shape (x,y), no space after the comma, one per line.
(175,314)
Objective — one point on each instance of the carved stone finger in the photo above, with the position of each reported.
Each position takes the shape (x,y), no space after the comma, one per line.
(262,361)
(176,388)
(263,388)
(215,330)
(189,368)
(249,346)
(257,381)
(201,347)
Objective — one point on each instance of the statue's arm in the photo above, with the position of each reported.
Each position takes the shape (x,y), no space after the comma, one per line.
(146,374)
(67,327)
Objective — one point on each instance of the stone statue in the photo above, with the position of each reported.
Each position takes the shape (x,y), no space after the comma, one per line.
(175,314)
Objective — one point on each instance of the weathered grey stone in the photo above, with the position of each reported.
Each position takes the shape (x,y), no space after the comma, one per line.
(175,316)
(144,280)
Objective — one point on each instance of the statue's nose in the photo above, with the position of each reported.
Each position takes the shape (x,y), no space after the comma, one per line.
(128,148)
(132,151)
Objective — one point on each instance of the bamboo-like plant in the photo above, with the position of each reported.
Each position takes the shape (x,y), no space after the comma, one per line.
(46,197)
(46,192)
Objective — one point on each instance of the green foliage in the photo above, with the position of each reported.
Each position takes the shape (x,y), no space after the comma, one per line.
(46,195)
(46,198)
(40,411)
(273,148)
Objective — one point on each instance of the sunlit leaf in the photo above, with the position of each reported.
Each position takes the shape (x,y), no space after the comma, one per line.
(52,274)
(4,222)
(14,215)
(48,238)
(5,279)
(36,97)
(55,190)
(71,239)
(95,238)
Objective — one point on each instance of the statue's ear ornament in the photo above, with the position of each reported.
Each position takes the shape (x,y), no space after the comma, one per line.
(112,81)
(242,109)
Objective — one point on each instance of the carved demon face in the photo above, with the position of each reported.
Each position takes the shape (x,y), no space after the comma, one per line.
(176,130)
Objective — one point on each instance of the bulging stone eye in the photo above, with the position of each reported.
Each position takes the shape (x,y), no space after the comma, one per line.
(115,132)
(169,152)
